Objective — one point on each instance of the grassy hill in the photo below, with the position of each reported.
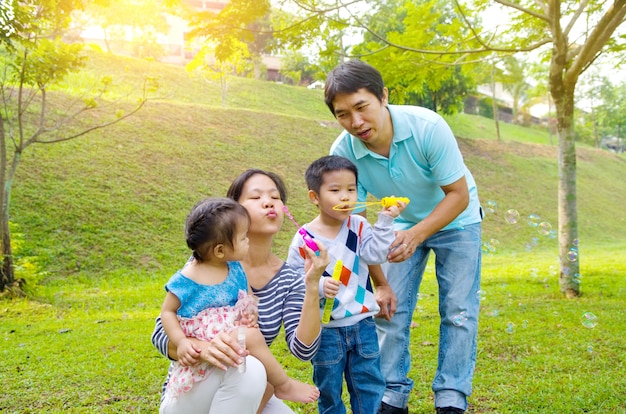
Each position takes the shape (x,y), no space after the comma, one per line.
(131,185)
(100,219)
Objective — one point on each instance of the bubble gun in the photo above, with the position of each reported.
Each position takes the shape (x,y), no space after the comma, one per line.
(385,202)
(305,236)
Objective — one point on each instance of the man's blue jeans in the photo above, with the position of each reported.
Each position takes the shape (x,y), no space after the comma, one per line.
(350,351)
(457,267)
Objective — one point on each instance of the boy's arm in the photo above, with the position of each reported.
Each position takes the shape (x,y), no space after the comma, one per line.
(375,240)
(384,295)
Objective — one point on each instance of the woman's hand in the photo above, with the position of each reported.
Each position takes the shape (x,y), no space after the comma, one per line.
(314,265)
(223,352)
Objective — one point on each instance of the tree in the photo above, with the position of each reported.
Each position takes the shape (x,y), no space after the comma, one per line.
(34,62)
(413,78)
(240,29)
(576,32)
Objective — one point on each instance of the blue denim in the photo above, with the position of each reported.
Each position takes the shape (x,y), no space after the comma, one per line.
(350,351)
(457,267)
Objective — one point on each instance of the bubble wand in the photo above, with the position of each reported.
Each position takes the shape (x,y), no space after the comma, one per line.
(330,302)
(385,202)
(305,236)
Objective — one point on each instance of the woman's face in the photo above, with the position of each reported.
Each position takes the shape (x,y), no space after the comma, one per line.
(262,200)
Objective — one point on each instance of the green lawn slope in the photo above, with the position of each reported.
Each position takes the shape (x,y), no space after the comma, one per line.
(98,226)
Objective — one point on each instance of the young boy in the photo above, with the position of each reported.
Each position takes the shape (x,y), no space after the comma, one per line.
(349,344)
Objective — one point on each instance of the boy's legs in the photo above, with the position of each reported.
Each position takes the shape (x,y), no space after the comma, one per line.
(393,336)
(458,268)
(328,366)
(363,375)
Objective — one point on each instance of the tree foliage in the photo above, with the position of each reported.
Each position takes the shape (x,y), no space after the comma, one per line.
(570,34)
(35,60)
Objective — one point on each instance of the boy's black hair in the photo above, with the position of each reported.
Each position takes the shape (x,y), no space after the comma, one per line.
(211,222)
(314,175)
(349,77)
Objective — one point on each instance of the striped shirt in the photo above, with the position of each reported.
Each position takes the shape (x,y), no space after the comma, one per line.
(280,303)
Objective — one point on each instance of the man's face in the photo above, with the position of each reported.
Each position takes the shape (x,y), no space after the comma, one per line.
(365,117)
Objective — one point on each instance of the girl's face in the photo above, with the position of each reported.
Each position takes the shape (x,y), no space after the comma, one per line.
(240,242)
(262,200)
(338,188)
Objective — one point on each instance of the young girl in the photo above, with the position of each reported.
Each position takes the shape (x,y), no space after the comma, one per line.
(209,296)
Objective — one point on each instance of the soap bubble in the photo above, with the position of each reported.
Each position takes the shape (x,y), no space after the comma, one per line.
(589,320)
(459,320)
(491,206)
(572,255)
(545,228)
(511,216)
(510,327)
(480,295)
(533,220)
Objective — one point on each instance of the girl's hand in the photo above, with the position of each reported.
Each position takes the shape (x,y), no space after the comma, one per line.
(250,319)
(188,353)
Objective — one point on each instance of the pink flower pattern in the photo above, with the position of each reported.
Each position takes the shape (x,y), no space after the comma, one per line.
(205,326)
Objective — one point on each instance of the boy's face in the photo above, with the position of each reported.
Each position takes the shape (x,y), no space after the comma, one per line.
(338,189)
(365,117)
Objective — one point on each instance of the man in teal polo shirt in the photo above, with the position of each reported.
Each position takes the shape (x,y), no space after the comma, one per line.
(411,152)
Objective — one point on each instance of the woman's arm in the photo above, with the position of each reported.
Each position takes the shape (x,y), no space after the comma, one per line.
(310,324)
(222,352)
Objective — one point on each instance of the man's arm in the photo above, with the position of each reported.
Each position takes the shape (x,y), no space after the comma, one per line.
(455,201)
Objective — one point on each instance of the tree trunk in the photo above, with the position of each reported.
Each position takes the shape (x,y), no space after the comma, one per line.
(7,275)
(494,103)
(567,210)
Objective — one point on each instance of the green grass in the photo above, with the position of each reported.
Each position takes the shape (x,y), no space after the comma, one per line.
(98,224)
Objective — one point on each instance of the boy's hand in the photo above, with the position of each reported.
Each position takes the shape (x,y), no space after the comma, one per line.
(395,210)
(331,287)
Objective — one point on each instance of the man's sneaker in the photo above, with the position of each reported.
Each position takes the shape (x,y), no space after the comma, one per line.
(390,409)
(449,410)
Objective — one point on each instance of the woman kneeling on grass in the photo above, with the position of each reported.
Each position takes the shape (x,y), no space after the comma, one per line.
(285,297)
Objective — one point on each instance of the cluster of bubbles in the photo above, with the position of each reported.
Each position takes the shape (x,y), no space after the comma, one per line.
(544,229)
(512,216)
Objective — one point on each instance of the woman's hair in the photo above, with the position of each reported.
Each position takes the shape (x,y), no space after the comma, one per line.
(211,222)
(349,77)
(236,188)
(314,175)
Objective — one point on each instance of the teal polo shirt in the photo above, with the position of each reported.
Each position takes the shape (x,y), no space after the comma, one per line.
(424,156)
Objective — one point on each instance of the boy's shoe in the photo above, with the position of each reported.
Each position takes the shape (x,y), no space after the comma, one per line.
(390,409)
(449,410)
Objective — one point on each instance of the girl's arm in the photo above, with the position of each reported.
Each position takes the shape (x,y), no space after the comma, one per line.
(186,351)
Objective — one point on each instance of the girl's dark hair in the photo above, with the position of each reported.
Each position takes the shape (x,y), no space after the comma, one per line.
(349,77)
(211,222)
(314,175)
(236,188)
